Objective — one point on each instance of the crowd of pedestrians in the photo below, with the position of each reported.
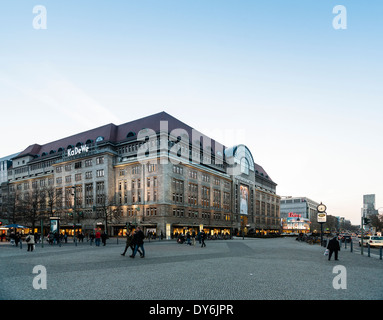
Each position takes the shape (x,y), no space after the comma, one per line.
(134,240)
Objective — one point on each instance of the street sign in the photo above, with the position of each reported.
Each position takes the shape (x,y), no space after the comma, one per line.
(322,217)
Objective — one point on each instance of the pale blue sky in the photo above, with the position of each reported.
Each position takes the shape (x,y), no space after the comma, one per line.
(275,75)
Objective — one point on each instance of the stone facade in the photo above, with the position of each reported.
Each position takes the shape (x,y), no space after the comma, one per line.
(167,181)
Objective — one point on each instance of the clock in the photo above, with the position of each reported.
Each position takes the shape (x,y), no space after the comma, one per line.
(321,207)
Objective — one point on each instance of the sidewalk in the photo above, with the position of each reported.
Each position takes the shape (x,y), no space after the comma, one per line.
(250,269)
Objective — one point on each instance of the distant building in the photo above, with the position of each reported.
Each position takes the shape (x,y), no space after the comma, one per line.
(296,213)
(5,164)
(369,205)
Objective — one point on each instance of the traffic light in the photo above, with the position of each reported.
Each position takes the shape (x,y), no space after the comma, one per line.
(366,221)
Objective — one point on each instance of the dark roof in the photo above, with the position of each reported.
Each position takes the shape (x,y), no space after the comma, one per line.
(116,134)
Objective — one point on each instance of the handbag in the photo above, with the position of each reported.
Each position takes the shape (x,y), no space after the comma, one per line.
(325,252)
(28,239)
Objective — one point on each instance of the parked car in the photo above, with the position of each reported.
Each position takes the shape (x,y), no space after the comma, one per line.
(374,241)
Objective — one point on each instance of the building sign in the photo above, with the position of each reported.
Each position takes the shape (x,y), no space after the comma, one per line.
(244,199)
(75,150)
(294,215)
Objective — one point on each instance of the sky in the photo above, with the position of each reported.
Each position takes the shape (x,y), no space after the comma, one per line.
(304,97)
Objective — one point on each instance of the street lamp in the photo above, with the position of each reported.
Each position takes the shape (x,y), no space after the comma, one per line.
(74,215)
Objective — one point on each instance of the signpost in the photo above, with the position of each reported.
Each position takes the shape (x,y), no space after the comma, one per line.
(321,218)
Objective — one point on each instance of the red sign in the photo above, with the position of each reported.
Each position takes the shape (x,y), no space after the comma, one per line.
(294,215)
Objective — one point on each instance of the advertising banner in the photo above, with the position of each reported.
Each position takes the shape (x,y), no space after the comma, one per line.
(321,217)
(55,225)
(244,190)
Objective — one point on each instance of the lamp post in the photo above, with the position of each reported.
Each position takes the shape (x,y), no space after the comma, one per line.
(74,215)
(361,235)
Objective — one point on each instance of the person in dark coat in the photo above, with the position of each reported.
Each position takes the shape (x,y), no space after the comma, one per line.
(138,240)
(333,246)
(104,236)
(203,238)
(129,243)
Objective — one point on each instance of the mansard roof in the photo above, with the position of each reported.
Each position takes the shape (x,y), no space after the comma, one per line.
(119,133)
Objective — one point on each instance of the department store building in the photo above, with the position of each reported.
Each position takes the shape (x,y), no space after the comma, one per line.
(156,172)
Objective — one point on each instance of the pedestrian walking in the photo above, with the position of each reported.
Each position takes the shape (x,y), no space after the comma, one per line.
(17,239)
(188,238)
(30,239)
(129,244)
(193,238)
(104,236)
(203,237)
(333,246)
(91,237)
(98,238)
(138,240)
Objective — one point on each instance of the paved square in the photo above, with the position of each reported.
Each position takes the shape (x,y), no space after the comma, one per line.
(250,269)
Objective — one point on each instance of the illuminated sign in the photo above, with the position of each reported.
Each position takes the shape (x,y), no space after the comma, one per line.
(294,215)
(75,151)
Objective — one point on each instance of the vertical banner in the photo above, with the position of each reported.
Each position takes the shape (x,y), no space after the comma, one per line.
(244,192)
(168,231)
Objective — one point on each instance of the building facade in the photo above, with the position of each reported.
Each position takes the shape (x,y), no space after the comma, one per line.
(5,164)
(297,214)
(369,205)
(156,172)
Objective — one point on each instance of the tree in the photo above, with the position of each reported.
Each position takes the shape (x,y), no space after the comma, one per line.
(376,221)
(109,210)
(33,206)
(11,203)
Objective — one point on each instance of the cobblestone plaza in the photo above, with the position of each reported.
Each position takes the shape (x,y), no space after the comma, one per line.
(249,269)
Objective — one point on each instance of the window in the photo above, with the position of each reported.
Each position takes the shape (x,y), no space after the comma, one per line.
(205,201)
(77,177)
(178,169)
(100,160)
(151,167)
(100,173)
(178,191)
(100,192)
(193,174)
(205,178)
(89,194)
(193,194)
(136,170)
(78,165)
